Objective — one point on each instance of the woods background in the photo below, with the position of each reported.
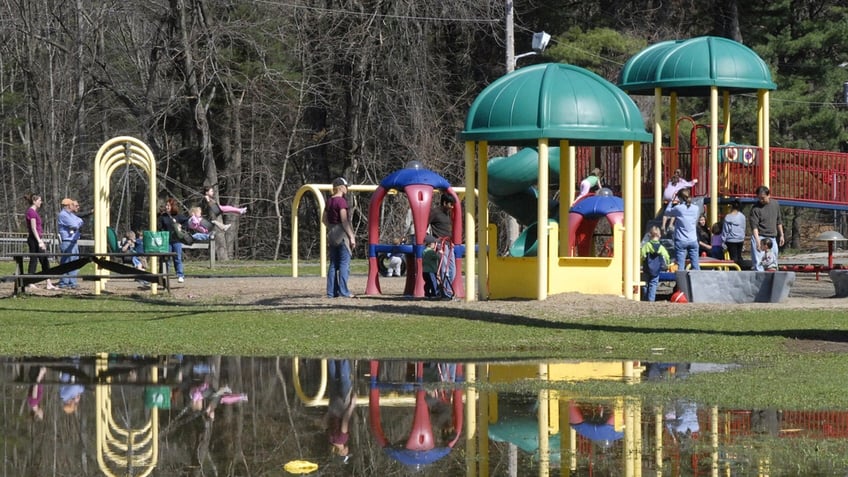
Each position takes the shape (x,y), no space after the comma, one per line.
(262,97)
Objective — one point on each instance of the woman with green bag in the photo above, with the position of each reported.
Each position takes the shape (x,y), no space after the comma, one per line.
(169,220)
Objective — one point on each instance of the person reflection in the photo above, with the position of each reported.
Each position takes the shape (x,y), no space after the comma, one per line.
(682,419)
(205,399)
(35,394)
(342,403)
(70,392)
(440,401)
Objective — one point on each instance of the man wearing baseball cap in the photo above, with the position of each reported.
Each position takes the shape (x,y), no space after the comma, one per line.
(341,240)
(69,225)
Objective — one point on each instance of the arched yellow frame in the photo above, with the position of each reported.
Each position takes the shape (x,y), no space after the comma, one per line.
(318,190)
(120,448)
(117,152)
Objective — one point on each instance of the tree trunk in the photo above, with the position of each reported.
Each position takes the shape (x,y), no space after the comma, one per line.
(795,238)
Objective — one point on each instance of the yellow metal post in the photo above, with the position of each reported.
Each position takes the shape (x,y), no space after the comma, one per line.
(713,155)
(637,217)
(629,224)
(658,186)
(542,222)
(544,444)
(766,159)
(482,218)
(471,434)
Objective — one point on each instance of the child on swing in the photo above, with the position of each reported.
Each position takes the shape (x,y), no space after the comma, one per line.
(196,226)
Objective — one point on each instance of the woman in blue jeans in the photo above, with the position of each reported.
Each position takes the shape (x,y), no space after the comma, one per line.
(170,219)
(685,229)
(341,240)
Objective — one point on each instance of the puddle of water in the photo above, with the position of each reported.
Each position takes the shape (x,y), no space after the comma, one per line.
(188,415)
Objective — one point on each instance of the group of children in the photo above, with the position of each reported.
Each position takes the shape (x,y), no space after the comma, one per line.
(435,286)
(655,257)
(132,242)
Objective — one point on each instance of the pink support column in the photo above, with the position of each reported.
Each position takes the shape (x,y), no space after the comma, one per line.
(420,200)
(372,287)
(458,280)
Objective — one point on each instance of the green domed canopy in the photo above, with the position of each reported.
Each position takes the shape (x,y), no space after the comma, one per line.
(554,101)
(690,67)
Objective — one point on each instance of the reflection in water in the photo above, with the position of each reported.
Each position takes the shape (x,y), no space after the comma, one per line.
(193,416)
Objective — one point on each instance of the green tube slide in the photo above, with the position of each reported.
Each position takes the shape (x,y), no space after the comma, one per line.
(512,187)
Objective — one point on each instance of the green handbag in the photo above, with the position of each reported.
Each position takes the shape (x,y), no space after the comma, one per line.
(156,242)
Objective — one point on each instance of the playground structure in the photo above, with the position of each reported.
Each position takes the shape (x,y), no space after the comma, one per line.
(534,105)
(122,450)
(418,184)
(544,430)
(421,446)
(117,152)
(676,440)
(317,191)
(571,106)
(511,188)
(549,108)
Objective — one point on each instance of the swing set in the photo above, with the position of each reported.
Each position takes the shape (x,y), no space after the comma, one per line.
(128,152)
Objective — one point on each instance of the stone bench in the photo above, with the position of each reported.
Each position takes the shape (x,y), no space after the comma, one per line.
(840,282)
(702,286)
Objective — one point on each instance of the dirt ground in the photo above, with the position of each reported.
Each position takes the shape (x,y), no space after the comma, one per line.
(304,292)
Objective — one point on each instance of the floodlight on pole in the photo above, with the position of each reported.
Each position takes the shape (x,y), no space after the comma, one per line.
(540,42)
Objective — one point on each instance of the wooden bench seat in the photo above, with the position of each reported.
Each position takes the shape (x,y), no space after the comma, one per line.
(206,245)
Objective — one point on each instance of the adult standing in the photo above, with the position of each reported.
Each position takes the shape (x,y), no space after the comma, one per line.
(733,232)
(169,219)
(441,227)
(766,222)
(685,233)
(675,184)
(341,240)
(341,406)
(35,237)
(69,225)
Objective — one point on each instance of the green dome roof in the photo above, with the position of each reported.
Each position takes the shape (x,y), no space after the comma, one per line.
(691,67)
(554,101)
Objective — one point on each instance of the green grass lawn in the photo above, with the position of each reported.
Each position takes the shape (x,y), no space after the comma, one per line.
(772,371)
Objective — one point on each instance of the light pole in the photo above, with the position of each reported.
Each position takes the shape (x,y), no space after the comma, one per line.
(540,42)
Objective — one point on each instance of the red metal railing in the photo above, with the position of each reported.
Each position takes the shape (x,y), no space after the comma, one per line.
(816,177)
(821,424)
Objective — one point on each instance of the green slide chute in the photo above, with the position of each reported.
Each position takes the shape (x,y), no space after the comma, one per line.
(512,187)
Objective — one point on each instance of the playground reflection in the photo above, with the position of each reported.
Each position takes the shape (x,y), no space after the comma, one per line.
(192,415)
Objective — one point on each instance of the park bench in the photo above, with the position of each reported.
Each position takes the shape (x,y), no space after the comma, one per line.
(207,245)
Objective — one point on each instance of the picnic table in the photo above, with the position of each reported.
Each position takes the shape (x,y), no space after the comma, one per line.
(104,260)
